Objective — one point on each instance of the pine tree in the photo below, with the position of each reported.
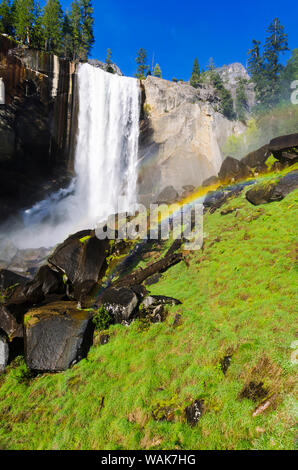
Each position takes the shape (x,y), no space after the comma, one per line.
(157,71)
(141,61)
(227,105)
(37,39)
(276,43)
(6,18)
(195,76)
(52,22)
(289,75)
(75,25)
(256,68)
(109,62)
(241,100)
(87,21)
(24,19)
(67,42)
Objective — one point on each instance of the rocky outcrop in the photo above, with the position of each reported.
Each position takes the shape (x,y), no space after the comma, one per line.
(273,190)
(120,304)
(181,136)
(36,125)
(231,74)
(256,159)
(56,336)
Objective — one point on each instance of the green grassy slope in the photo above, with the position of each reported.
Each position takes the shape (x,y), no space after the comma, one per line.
(238,299)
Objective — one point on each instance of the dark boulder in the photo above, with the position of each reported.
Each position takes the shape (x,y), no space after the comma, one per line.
(256,159)
(285,148)
(11,323)
(153,279)
(9,278)
(233,170)
(4,352)
(194,412)
(210,181)
(273,191)
(121,304)
(56,336)
(168,195)
(82,258)
(46,282)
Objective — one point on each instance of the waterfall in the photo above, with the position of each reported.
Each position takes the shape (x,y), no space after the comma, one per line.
(105,162)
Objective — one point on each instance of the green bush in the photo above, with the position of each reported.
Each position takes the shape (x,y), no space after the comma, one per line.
(102,319)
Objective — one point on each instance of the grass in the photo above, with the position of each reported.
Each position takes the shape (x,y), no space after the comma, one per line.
(239,296)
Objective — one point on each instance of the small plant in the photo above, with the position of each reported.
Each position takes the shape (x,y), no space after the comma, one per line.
(102,319)
(147,109)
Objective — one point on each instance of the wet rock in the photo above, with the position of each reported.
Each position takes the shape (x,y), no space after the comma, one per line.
(233,170)
(4,352)
(256,159)
(121,303)
(56,336)
(285,148)
(194,412)
(104,339)
(155,300)
(81,257)
(168,195)
(11,323)
(273,191)
(153,307)
(9,278)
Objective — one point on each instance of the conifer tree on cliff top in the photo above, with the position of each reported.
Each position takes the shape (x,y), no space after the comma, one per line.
(141,61)
(7,17)
(24,19)
(195,76)
(87,21)
(157,71)
(52,23)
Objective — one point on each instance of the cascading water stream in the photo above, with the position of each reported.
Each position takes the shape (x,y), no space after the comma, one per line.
(105,162)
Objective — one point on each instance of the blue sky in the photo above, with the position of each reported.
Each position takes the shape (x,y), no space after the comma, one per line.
(176,31)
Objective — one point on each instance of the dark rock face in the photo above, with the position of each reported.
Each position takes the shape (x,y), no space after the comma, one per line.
(168,195)
(36,126)
(275,191)
(194,412)
(81,257)
(285,148)
(56,336)
(120,303)
(233,170)
(4,352)
(257,158)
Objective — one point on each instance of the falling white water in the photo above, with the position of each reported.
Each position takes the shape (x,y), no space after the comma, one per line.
(105,162)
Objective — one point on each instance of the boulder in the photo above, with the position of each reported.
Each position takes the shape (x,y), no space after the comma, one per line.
(233,170)
(56,336)
(4,352)
(256,159)
(10,323)
(273,191)
(210,181)
(285,148)
(120,303)
(9,278)
(168,195)
(46,282)
(194,412)
(153,307)
(81,257)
